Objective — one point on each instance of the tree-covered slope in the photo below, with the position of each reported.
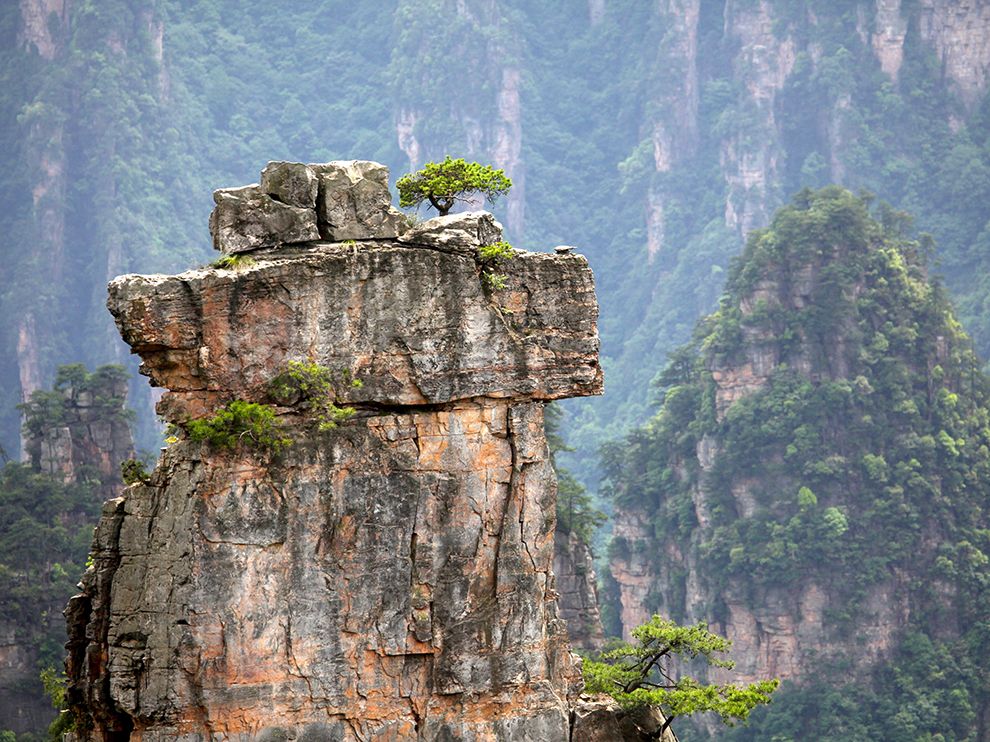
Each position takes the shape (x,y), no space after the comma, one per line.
(817,480)
(77,434)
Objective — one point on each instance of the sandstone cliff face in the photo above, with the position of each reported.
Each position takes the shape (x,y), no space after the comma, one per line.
(766,41)
(390,579)
(574,570)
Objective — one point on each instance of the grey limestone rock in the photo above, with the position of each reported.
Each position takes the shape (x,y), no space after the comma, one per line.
(600,719)
(292,183)
(354,202)
(246,219)
(461,233)
(574,569)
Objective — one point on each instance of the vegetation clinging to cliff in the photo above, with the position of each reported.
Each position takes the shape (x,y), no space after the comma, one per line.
(860,449)
(872,424)
(239,422)
(313,387)
(641,674)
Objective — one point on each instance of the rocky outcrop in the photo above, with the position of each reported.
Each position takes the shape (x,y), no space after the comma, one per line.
(600,719)
(89,435)
(347,200)
(574,570)
(76,435)
(461,233)
(22,709)
(675,129)
(756,500)
(751,156)
(960,34)
(632,570)
(388,579)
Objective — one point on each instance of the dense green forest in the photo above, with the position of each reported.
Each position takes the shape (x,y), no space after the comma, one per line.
(654,137)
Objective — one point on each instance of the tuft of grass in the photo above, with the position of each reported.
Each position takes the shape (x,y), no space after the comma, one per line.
(233,262)
(496,251)
(494,281)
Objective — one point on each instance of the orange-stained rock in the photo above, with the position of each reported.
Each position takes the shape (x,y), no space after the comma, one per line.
(390,579)
(415,325)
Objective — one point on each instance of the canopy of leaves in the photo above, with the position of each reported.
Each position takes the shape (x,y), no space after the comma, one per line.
(442,184)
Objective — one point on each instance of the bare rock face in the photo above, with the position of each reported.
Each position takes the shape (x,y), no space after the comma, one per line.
(248,218)
(574,568)
(297,203)
(461,233)
(389,579)
(600,719)
(291,183)
(354,202)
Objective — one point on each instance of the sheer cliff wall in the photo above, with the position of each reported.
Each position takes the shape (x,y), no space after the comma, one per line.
(388,579)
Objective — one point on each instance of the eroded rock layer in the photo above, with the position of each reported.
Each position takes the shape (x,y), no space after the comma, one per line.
(388,579)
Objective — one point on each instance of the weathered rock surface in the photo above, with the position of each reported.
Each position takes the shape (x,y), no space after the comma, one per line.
(247,218)
(295,202)
(91,436)
(354,202)
(415,325)
(291,183)
(600,719)
(574,569)
(460,233)
(391,579)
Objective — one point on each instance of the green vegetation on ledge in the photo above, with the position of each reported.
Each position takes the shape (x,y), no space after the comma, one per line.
(312,386)
(239,422)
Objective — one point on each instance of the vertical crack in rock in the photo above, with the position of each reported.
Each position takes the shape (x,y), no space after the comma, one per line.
(389,578)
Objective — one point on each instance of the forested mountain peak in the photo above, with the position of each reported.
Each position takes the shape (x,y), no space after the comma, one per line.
(818,469)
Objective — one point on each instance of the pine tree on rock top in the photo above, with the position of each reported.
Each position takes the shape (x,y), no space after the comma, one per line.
(445,183)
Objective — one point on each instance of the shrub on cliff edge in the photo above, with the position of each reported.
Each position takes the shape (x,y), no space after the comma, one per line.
(445,183)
